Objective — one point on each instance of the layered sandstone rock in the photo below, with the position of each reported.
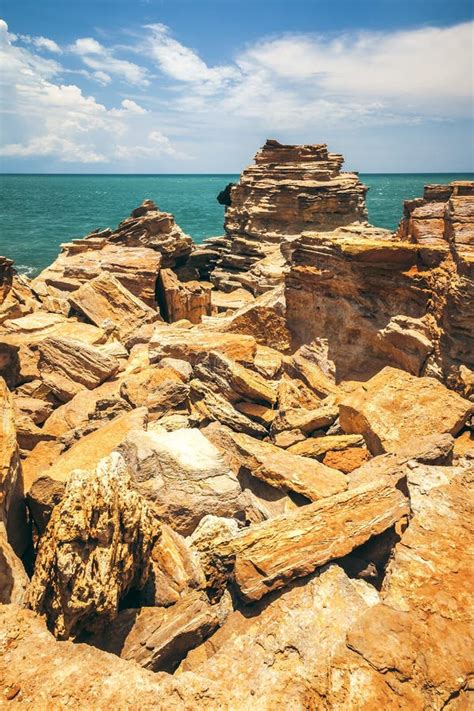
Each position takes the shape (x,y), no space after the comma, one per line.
(406,299)
(46,478)
(268,555)
(133,254)
(158,638)
(289,189)
(68,366)
(16,297)
(283,470)
(292,428)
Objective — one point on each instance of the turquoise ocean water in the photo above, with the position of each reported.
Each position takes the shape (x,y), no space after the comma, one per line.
(38,212)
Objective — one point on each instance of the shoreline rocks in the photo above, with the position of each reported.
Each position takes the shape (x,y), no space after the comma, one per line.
(245,465)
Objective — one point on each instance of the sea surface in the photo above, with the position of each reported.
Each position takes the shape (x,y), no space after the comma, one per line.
(38,212)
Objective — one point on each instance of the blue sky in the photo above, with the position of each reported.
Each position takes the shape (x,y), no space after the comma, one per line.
(196,86)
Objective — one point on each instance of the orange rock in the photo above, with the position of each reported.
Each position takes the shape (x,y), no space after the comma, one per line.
(346,460)
(270,554)
(393,407)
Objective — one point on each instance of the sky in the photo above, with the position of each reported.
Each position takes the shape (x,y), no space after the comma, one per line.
(196,86)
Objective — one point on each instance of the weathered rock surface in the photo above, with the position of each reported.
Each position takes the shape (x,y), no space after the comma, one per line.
(68,366)
(62,673)
(393,407)
(271,652)
(184,475)
(159,389)
(105,299)
(175,570)
(48,477)
(178,300)
(12,504)
(96,547)
(424,606)
(233,380)
(288,190)
(264,319)
(270,554)
(407,299)
(16,297)
(303,411)
(13,578)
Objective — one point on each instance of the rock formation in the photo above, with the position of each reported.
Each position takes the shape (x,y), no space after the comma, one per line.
(407,299)
(290,189)
(239,475)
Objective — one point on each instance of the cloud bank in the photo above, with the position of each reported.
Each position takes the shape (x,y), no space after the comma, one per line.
(88,103)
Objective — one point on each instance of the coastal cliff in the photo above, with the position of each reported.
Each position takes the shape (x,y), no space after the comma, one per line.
(238,474)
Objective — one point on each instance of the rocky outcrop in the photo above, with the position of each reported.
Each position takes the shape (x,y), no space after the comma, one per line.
(290,189)
(408,299)
(267,497)
(133,254)
(16,296)
(393,407)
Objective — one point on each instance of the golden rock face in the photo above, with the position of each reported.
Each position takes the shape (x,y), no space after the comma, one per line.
(247,464)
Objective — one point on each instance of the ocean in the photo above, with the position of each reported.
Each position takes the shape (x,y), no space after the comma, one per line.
(38,212)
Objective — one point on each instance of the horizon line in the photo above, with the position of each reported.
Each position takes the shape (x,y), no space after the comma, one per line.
(359,172)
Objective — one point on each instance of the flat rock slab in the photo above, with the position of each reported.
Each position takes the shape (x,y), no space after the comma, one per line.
(394,407)
(191,344)
(105,298)
(68,366)
(270,554)
(284,470)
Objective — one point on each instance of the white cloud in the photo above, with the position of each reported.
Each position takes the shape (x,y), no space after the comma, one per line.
(158,145)
(129,107)
(43,117)
(87,45)
(102,60)
(300,81)
(102,78)
(184,64)
(291,86)
(414,65)
(54,146)
(41,43)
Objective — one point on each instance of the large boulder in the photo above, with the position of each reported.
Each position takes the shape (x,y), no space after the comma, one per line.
(184,475)
(68,366)
(96,548)
(394,406)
